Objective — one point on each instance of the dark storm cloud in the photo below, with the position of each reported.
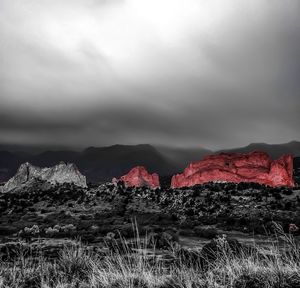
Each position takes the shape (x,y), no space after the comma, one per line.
(183,73)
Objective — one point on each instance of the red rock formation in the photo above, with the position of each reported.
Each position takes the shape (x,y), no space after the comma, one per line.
(234,167)
(138,177)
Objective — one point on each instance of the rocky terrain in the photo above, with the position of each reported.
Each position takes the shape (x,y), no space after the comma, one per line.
(238,167)
(139,177)
(60,173)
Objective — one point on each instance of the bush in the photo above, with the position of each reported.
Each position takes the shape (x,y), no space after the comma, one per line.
(29,232)
(75,262)
(206,232)
(51,231)
(60,230)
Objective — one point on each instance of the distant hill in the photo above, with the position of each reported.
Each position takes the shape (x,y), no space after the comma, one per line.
(297,170)
(274,150)
(100,164)
(30,149)
(9,163)
(181,157)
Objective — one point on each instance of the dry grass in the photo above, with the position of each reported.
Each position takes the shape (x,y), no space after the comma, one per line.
(78,268)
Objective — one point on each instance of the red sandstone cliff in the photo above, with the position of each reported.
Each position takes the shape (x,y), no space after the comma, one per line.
(138,177)
(234,167)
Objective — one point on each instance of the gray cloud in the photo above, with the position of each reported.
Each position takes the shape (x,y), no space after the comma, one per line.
(183,73)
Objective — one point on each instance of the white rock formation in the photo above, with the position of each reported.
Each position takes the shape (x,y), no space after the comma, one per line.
(61,173)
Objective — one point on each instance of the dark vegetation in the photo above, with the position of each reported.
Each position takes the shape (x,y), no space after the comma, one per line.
(41,225)
(70,211)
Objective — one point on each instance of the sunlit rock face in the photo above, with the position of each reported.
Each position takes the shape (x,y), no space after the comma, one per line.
(235,167)
(139,177)
(61,173)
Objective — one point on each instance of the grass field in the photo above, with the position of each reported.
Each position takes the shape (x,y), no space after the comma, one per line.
(132,266)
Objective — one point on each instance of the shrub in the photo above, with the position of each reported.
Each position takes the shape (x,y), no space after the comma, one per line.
(51,231)
(29,232)
(75,262)
(57,229)
(206,232)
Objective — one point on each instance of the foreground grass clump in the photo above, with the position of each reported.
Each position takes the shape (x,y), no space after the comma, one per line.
(130,266)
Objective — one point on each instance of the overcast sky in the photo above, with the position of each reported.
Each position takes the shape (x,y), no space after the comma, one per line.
(188,73)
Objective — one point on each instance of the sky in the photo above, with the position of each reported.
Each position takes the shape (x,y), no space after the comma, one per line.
(185,73)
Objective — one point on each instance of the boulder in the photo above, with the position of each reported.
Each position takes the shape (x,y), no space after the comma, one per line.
(61,173)
(255,167)
(139,177)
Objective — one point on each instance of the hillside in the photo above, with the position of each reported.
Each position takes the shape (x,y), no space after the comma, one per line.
(95,211)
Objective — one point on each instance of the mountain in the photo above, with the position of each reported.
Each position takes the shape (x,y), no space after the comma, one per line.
(181,157)
(100,164)
(60,173)
(31,149)
(50,158)
(297,170)
(274,150)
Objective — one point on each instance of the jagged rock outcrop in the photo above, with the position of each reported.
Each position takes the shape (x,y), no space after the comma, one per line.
(237,167)
(138,177)
(61,173)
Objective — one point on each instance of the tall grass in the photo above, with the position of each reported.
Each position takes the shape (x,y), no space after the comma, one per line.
(130,266)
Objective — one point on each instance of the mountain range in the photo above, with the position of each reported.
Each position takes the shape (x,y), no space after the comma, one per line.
(100,164)
(274,150)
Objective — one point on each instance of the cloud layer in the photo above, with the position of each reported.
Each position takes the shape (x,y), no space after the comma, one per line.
(173,72)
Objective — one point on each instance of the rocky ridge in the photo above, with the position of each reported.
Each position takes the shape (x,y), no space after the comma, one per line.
(139,177)
(60,173)
(238,167)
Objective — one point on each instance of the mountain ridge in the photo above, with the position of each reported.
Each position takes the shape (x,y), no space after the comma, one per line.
(101,164)
(274,150)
